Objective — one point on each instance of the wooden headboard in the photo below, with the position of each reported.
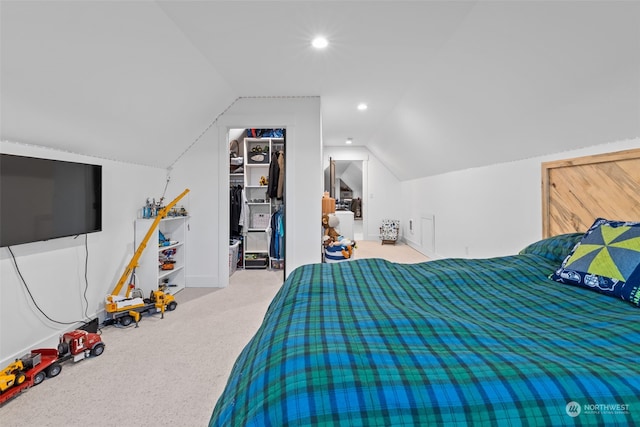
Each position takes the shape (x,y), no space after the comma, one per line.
(577,191)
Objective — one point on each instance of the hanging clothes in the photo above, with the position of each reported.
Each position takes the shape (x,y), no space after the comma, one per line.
(235,195)
(274,175)
(280,190)
(243,208)
(273,250)
(280,234)
(276,240)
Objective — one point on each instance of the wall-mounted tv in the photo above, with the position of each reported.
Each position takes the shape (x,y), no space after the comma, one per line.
(42,199)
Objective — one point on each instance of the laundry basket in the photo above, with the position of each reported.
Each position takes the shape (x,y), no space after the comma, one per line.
(234,254)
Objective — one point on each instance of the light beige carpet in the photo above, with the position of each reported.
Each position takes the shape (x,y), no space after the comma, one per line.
(399,252)
(166,372)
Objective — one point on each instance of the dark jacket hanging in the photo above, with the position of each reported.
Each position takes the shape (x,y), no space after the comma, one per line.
(280,186)
(274,175)
(235,194)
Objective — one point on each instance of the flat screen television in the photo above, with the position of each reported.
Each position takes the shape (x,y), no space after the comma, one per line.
(42,199)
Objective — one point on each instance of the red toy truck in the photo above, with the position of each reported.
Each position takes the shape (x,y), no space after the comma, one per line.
(31,369)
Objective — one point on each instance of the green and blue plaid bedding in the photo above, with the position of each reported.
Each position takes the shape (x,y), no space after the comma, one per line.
(447,342)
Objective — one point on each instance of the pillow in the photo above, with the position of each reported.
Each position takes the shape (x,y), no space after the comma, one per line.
(606,260)
(554,248)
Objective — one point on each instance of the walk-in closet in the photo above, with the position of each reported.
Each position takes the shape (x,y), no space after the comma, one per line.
(257,199)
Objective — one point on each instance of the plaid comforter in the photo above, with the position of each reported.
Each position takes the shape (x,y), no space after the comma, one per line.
(455,342)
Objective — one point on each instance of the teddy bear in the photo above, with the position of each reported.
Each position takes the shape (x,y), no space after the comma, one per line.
(330,233)
(332,236)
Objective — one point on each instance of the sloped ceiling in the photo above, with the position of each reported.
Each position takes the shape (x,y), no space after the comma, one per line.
(450,85)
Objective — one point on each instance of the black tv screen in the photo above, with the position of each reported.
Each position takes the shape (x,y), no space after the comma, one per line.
(42,199)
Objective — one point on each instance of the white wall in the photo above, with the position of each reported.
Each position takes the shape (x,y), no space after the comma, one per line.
(54,270)
(205,170)
(484,212)
(380,188)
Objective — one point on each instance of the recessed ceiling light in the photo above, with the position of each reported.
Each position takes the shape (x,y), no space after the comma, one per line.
(362,106)
(320,42)
(349,141)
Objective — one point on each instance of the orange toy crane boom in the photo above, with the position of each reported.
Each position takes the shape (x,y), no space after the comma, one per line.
(143,244)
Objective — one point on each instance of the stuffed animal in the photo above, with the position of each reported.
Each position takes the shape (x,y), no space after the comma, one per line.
(329,222)
(332,236)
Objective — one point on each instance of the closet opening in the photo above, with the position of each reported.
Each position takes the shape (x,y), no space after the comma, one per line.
(257,194)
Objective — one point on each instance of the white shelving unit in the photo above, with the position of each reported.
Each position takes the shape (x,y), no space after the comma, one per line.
(148,274)
(257,156)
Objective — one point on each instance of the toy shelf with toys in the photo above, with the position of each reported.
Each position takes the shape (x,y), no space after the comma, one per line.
(164,265)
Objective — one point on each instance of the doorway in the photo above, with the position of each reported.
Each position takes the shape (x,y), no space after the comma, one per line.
(257,188)
(344,181)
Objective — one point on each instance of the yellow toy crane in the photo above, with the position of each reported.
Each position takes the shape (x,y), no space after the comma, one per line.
(127,309)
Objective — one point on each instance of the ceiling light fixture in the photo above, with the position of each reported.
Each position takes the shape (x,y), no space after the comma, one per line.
(349,141)
(362,106)
(320,42)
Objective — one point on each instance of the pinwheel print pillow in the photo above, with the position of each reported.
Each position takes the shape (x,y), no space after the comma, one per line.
(606,260)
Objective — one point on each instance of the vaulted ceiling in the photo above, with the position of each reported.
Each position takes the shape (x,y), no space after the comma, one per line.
(449,84)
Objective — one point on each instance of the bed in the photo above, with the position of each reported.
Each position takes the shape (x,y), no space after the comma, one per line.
(496,341)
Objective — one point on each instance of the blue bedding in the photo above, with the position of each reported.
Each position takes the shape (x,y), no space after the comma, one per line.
(447,342)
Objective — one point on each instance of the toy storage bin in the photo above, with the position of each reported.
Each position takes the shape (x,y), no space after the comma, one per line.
(256,261)
(256,242)
(334,254)
(277,264)
(260,220)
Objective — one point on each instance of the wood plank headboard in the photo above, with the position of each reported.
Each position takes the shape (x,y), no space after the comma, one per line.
(577,191)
